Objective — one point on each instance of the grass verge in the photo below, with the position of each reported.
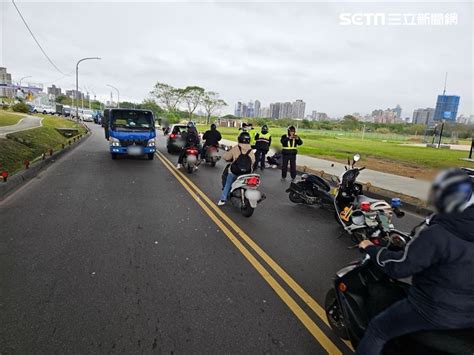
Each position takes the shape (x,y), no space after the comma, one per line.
(31,144)
(8,118)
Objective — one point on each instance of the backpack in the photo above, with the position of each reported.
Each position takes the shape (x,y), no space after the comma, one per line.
(242,165)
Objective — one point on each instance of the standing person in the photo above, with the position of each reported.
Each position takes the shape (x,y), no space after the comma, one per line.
(191,139)
(242,158)
(211,138)
(263,141)
(289,143)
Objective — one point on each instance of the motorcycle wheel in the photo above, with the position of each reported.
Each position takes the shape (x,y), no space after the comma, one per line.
(334,315)
(190,169)
(247,210)
(293,196)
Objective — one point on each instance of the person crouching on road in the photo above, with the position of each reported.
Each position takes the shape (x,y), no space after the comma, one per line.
(440,259)
(289,143)
(263,140)
(242,159)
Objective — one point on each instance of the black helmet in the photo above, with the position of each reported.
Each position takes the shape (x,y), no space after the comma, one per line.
(190,124)
(451,190)
(213,126)
(291,129)
(264,129)
(244,137)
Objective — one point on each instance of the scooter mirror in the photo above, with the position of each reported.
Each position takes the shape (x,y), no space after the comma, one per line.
(356,157)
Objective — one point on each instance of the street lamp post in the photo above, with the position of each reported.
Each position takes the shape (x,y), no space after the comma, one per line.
(77,82)
(25,77)
(118,94)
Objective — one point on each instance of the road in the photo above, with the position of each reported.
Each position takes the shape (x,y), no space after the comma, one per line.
(102,256)
(28,122)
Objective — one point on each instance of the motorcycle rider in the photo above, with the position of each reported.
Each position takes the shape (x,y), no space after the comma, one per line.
(242,148)
(211,138)
(289,143)
(441,260)
(191,139)
(263,140)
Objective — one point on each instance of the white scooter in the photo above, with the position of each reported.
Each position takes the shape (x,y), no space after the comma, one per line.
(244,189)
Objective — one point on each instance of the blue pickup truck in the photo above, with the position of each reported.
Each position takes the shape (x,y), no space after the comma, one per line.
(130,131)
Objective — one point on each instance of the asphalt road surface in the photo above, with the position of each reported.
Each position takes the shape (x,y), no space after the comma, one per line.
(127,255)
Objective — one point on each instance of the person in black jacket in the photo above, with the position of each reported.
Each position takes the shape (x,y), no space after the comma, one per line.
(191,139)
(289,143)
(263,141)
(211,138)
(441,260)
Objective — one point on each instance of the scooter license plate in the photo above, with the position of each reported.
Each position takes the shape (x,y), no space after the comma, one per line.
(134,150)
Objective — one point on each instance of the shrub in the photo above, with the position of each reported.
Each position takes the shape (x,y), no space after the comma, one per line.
(20,107)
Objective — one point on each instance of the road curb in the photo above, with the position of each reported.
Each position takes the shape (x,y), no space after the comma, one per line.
(19,179)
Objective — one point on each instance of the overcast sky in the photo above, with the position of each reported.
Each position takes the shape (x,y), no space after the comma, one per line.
(271,51)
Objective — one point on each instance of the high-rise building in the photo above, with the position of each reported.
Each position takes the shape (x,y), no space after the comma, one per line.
(446,107)
(53,90)
(298,109)
(238,109)
(250,110)
(275,110)
(398,112)
(5,78)
(257,112)
(285,110)
(423,116)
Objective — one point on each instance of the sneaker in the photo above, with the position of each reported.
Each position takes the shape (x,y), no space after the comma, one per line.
(178,166)
(196,167)
(221,203)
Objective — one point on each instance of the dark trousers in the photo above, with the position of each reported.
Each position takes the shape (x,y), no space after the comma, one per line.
(399,319)
(260,158)
(284,167)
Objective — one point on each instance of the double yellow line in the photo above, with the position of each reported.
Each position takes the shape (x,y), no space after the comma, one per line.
(218,216)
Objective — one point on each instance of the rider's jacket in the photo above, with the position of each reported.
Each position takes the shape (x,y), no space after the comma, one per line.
(212,137)
(441,260)
(289,144)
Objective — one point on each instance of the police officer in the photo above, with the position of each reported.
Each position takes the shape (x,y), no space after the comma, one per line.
(289,143)
(263,140)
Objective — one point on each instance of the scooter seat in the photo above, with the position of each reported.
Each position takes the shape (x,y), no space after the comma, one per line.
(459,341)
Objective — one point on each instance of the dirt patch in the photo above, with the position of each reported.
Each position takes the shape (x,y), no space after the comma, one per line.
(393,167)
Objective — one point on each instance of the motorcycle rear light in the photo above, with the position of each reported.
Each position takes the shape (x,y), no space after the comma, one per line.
(396,202)
(192,151)
(342,287)
(172,135)
(252,181)
(375,241)
(365,206)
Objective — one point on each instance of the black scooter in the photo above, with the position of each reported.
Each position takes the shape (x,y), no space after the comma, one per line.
(311,190)
(362,290)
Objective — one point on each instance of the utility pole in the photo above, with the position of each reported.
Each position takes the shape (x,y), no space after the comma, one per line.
(118,94)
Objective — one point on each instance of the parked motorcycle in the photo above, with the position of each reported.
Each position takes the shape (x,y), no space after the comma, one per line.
(361,217)
(212,155)
(362,290)
(190,160)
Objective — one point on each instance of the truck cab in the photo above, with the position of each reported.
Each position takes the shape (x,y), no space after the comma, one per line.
(130,131)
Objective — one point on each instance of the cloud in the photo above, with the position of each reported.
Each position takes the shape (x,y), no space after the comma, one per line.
(269,51)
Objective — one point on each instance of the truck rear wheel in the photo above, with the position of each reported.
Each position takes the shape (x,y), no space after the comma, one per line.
(114,156)
(151,156)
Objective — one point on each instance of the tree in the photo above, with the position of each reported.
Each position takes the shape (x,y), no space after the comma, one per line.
(211,103)
(150,104)
(350,123)
(192,97)
(168,96)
